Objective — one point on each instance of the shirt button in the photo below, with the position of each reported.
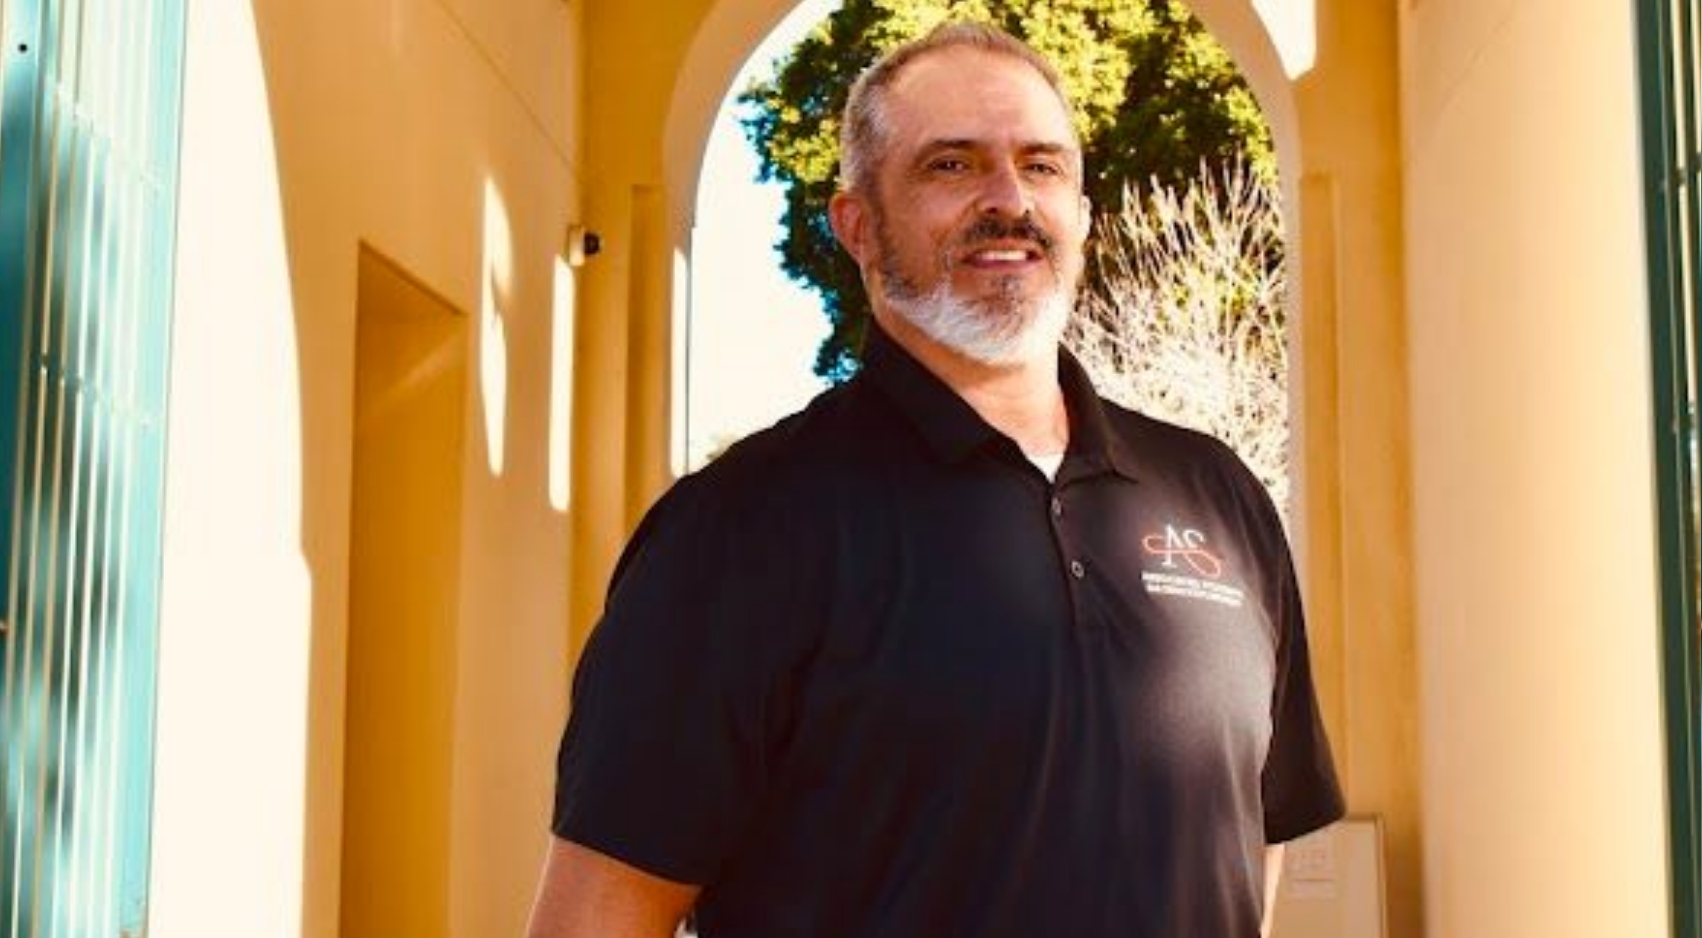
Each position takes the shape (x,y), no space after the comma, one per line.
(1057,507)
(1077,570)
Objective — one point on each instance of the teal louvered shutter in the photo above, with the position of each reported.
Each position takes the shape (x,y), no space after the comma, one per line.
(1670,71)
(89,127)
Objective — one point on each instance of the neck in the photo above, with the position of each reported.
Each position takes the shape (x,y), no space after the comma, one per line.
(1021,400)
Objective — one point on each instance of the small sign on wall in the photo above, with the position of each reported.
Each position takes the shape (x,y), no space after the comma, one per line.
(1332,883)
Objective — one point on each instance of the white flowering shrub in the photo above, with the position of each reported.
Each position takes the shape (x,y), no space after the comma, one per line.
(1182,318)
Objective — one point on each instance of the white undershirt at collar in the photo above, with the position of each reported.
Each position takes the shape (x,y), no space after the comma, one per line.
(1048,463)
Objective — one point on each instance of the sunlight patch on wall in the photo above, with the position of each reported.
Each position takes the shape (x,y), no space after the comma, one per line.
(496,293)
(561,385)
(679,412)
(237,603)
(1293,25)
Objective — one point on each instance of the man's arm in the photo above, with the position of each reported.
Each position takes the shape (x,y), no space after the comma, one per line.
(1273,877)
(585,894)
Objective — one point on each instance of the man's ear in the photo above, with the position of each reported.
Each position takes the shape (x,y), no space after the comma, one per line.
(849,216)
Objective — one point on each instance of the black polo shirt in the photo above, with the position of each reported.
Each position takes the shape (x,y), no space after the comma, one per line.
(871,674)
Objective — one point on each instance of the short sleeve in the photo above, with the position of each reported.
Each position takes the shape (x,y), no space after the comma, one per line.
(665,754)
(1301,793)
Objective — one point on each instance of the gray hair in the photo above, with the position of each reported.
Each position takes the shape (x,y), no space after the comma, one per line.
(863,128)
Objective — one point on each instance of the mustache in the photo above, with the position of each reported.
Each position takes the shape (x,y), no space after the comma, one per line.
(994,228)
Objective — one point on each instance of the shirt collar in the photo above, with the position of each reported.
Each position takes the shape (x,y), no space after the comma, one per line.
(953,429)
(1093,442)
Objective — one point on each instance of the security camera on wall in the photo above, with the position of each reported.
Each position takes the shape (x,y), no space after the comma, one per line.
(581,243)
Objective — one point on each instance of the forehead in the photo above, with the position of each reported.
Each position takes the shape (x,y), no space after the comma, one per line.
(974,95)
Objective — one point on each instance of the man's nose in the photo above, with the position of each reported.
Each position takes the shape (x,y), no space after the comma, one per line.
(1005,192)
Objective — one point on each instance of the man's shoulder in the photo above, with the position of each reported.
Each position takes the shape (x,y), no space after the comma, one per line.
(830,432)
(1164,444)
(764,493)
(799,456)
(1193,459)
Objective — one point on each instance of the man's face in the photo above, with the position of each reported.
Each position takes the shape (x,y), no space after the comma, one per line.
(974,232)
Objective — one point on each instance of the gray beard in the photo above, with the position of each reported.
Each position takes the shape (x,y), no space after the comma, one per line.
(1000,331)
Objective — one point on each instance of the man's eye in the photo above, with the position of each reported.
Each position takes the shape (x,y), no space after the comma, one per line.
(949,164)
(1045,169)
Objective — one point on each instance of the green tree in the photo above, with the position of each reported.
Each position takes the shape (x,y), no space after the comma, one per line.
(1157,101)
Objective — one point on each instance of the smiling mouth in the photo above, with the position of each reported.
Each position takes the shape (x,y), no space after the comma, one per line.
(999,257)
(994,243)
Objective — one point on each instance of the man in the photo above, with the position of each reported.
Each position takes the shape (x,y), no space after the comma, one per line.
(962,649)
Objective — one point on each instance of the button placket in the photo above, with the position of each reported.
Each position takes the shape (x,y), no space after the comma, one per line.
(1056,505)
(1069,555)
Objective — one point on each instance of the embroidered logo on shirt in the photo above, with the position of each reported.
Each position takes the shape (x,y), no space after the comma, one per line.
(1188,568)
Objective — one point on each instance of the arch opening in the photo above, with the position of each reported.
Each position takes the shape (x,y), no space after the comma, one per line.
(732,33)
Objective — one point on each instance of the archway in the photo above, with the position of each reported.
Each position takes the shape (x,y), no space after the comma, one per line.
(1332,117)
(732,29)
(730,35)
(1265,38)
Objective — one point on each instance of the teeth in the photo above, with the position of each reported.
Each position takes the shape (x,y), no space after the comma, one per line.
(1003,256)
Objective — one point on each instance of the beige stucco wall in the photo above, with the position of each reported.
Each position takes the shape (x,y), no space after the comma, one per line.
(447,135)
(1543,800)
(623,387)
(1353,455)
(1473,423)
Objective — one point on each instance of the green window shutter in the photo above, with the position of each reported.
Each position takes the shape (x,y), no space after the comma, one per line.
(89,127)
(1672,149)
